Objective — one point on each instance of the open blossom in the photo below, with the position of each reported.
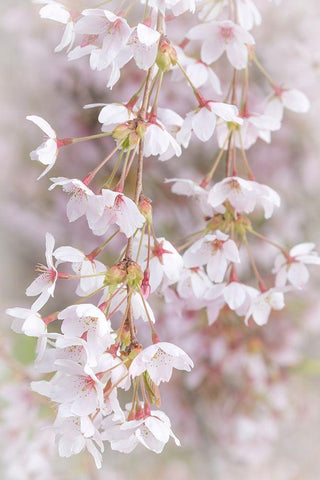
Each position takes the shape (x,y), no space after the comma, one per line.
(26,321)
(291,99)
(78,202)
(202,121)
(224,36)
(58,12)
(111,208)
(107,28)
(214,250)
(158,141)
(47,152)
(153,431)
(45,283)
(243,195)
(158,360)
(294,270)
(263,303)
(83,265)
(144,43)
(75,433)
(254,126)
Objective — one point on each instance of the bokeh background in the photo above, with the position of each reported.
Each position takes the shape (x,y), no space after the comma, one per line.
(282,440)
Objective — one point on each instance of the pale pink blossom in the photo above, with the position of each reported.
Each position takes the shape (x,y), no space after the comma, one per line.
(47,152)
(158,141)
(27,321)
(158,360)
(58,12)
(202,121)
(223,36)
(78,202)
(216,251)
(263,303)
(111,208)
(153,432)
(291,99)
(294,270)
(243,195)
(44,284)
(144,44)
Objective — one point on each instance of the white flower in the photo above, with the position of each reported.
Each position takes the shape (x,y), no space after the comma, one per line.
(158,360)
(144,43)
(263,303)
(243,195)
(294,270)
(45,283)
(83,265)
(254,126)
(113,208)
(214,250)
(153,432)
(58,12)
(165,262)
(78,203)
(86,318)
(111,30)
(291,99)
(47,152)
(248,14)
(27,321)
(189,188)
(202,121)
(223,36)
(157,141)
(201,74)
(76,433)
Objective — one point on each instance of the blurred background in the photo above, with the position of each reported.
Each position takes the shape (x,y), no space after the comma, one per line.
(251,407)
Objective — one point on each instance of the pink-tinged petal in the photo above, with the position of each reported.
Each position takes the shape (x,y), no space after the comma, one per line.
(260,313)
(296,101)
(214,80)
(234,295)
(274,109)
(49,248)
(34,326)
(281,277)
(298,274)
(46,153)
(203,124)
(227,112)
(68,254)
(77,206)
(43,124)
(198,74)
(67,38)
(237,54)
(212,49)
(200,32)
(55,12)
(41,301)
(114,114)
(217,267)
(302,249)
(158,428)
(231,252)
(38,285)
(147,35)
(49,167)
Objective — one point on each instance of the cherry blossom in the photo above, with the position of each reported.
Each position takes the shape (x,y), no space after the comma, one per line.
(144,43)
(47,152)
(214,250)
(263,303)
(45,283)
(153,432)
(243,195)
(293,268)
(291,99)
(78,203)
(113,208)
(157,141)
(159,360)
(223,36)
(58,12)
(202,121)
(26,321)
(84,265)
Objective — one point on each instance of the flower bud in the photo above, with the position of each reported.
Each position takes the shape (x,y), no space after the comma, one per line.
(146,208)
(115,275)
(134,276)
(167,56)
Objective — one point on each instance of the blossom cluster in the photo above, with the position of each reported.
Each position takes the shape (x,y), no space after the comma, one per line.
(97,352)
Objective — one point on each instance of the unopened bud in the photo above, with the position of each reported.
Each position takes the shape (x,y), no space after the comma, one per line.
(115,275)
(134,276)
(167,56)
(146,208)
